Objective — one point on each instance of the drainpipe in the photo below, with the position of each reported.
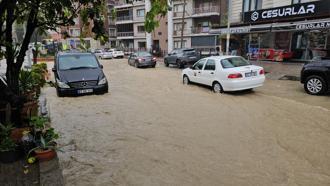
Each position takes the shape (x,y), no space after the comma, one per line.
(170,27)
(148,35)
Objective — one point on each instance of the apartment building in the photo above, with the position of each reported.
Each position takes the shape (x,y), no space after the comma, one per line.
(200,16)
(129,27)
(70,35)
(279,29)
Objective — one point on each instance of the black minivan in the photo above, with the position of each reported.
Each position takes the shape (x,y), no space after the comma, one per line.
(78,74)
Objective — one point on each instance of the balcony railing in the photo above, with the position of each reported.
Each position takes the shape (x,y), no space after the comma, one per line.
(125,34)
(179,14)
(125,18)
(207,9)
(178,32)
(199,30)
(112,34)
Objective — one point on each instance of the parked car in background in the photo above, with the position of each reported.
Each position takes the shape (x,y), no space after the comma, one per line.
(117,53)
(182,57)
(142,59)
(106,54)
(98,52)
(315,76)
(225,73)
(78,74)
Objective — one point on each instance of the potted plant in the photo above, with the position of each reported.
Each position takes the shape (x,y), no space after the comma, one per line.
(46,146)
(45,137)
(8,149)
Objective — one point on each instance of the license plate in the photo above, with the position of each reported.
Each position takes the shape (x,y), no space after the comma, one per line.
(192,57)
(250,74)
(84,91)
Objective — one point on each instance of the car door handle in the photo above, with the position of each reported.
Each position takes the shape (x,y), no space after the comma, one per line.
(212,73)
(199,72)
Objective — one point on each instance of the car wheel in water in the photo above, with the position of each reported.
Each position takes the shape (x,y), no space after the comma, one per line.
(315,85)
(136,65)
(179,64)
(217,88)
(166,63)
(185,80)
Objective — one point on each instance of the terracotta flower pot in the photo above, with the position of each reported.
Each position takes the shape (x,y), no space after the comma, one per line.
(45,155)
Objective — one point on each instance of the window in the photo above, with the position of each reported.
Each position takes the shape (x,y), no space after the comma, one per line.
(299,1)
(234,62)
(140,13)
(178,26)
(210,65)
(251,5)
(142,45)
(178,8)
(140,28)
(177,44)
(199,65)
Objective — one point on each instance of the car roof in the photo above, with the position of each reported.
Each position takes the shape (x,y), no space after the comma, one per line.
(73,53)
(221,57)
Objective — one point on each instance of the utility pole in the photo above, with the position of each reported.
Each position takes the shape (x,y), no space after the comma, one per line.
(148,35)
(182,24)
(170,27)
(228,27)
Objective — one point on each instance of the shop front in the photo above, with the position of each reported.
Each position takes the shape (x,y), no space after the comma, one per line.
(301,33)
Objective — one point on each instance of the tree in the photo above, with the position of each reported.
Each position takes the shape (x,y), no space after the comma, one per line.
(158,8)
(42,15)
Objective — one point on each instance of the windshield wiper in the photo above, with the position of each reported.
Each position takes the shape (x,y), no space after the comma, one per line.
(75,68)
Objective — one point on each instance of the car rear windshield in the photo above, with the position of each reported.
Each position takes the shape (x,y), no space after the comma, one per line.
(144,54)
(67,62)
(234,62)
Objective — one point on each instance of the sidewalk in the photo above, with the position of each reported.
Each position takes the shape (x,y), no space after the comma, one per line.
(276,70)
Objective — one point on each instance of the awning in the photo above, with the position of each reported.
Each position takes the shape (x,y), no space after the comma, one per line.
(276,27)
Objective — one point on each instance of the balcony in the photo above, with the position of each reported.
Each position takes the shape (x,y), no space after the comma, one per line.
(200,30)
(125,18)
(125,34)
(178,32)
(207,10)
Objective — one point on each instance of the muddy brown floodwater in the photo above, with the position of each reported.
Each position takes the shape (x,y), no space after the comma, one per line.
(152,130)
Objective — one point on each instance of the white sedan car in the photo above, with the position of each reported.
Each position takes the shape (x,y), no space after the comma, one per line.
(106,55)
(225,73)
(117,53)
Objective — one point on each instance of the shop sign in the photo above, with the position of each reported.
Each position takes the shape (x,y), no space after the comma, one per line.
(236,30)
(310,26)
(287,12)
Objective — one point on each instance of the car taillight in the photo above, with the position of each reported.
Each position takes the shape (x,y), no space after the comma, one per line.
(262,71)
(234,76)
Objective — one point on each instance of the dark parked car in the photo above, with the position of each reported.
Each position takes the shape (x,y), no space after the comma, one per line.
(316,76)
(142,59)
(182,57)
(79,73)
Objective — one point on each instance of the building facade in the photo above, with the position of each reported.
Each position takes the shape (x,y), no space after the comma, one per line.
(279,29)
(200,16)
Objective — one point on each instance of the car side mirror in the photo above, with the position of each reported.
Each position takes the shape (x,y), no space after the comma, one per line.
(101,66)
(54,69)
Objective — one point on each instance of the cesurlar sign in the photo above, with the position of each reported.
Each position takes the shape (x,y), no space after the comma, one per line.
(285,12)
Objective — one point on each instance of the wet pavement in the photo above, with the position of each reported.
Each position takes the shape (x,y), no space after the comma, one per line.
(152,130)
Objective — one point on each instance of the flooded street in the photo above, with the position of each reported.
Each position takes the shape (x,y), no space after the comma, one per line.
(150,129)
